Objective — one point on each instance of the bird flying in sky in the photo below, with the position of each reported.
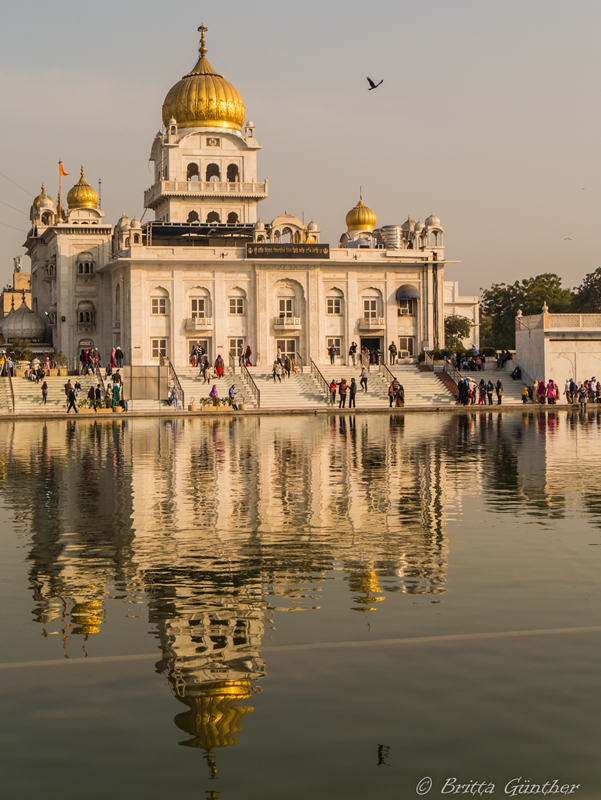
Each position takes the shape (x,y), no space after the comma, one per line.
(373,85)
(567,239)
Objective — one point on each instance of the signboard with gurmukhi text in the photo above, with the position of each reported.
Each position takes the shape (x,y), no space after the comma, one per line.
(287,250)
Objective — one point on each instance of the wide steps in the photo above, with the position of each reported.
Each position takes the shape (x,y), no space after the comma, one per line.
(512,390)
(28,394)
(300,390)
(421,388)
(195,388)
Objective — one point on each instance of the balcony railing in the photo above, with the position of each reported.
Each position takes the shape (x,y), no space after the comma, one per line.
(287,323)
(371,323)
(199,324)
(205,189)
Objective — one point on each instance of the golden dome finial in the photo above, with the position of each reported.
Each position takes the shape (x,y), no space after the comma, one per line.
(203,98)
(361,218)
(202,30)
(82,195)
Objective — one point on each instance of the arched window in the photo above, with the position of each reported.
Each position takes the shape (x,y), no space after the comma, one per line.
(159,302)
(199,300)
(297,237)
(371,301)
(47,218)
(193,217)
(287,235)
(85,265)
(334,302)
(212,217)
(193,172)
(233,173)
(232,218)
(86,313)
(213,172)
(136,238)
(237,302)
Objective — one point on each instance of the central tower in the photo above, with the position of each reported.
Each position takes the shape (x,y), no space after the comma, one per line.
(205,158)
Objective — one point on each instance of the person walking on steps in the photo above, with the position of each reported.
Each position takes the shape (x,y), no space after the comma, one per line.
(71,397)
(364,376)
(44,393)
(352,394)
(333,385)
(342,387)
(393,353)
(391,393)
(332,353)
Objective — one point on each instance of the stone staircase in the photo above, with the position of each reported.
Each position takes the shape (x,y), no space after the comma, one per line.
(421,388)
(6,402)
(299,391)
(512,390)
(28,395)
(195,388)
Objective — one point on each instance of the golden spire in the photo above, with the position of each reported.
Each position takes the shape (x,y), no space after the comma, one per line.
(202,30)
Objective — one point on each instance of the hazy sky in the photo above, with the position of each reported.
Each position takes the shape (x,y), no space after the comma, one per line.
(488,115)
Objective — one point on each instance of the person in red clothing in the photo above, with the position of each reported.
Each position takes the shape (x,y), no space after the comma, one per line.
(342,388)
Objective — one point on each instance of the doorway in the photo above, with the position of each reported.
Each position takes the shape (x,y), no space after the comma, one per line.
(205,344)
(289,347)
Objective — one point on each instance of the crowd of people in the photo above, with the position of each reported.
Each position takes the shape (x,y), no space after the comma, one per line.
(469,392)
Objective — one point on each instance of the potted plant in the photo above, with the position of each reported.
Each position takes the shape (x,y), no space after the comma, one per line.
(192,405)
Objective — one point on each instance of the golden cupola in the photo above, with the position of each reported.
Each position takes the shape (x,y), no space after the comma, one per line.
(361,218)
(82,195)
(43,200)
(204,99)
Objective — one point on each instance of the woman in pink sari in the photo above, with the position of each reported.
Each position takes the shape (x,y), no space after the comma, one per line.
(113,358)
(247,356)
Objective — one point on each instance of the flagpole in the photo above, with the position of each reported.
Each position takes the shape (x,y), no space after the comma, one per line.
(60,192)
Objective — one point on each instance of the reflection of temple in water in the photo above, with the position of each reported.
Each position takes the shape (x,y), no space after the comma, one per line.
(219,525)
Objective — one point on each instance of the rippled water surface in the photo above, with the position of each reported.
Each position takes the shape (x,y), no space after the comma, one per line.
(304,607)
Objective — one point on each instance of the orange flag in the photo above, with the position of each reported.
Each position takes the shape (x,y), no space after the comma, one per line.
(61,170)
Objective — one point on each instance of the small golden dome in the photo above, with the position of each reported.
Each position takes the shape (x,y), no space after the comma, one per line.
(361,218)
(204,99)
(82,195)
(43,200)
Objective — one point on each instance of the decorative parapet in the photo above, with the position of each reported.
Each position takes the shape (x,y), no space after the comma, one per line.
(558,322)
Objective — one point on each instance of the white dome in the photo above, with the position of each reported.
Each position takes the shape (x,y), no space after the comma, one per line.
(433,222)
(409,225)
(135,223)
(123,223)
(419,226)
(313,226)
(22,323)
(259,225)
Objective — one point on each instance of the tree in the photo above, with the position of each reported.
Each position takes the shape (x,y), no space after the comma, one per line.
(456,329)
(587,297)
(503,301)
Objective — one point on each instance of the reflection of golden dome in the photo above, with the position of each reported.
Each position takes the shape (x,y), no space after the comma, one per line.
(204,99)
(82,195)
(214,717)
(87,616)
(43,200)
(361,218)
(366,584)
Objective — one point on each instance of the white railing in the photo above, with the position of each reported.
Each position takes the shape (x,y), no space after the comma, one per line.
(201,188)
(575,320)
(529,323)
(199,324)
(287,322)
(371,323)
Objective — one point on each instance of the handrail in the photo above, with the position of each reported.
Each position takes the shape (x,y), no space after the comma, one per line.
(317,374)
(298,361)
(429,359)
(452,372)
(12,389)
(100,380)
(179,392)
(386,372)
(255,391)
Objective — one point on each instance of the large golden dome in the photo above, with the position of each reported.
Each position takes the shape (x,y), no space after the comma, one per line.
(82,195)
(361,218)
(204,99)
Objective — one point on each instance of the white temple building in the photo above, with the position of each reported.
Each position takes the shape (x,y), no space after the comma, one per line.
(208,271)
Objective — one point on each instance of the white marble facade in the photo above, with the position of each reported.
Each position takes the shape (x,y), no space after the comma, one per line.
(189,278)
